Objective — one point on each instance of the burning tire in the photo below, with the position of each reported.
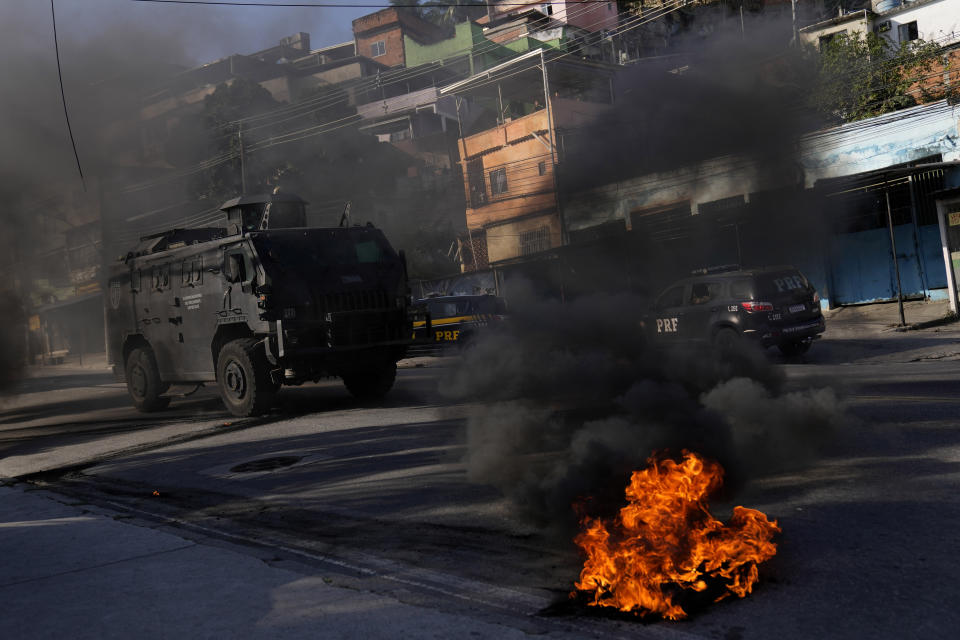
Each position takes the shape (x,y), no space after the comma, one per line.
(243,378)
(373,383)
(143,381)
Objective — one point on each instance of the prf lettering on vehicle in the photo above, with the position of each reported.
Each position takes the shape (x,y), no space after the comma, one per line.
(447,336)
(789,283)
(666,325)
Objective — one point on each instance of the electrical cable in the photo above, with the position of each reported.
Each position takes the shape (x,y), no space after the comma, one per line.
(63,96)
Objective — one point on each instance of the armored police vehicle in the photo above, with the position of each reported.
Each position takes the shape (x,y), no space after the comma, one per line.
(263,302)
(773,306)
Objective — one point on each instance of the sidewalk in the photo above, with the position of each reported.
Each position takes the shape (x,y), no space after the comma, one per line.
(862,320)
(76,571)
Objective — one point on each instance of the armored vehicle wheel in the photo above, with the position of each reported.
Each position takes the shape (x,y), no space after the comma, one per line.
(143,381)
(372,384)
(794,348)
(243,377)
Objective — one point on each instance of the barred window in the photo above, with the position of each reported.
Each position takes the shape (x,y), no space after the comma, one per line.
(534,241)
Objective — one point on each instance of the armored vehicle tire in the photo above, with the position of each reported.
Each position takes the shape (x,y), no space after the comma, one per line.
(371,384)
(794,348)
(143,381)
(243,377)
(726,341)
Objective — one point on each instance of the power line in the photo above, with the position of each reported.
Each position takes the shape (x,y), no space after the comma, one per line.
(353,5)
(404,74)
(63,96)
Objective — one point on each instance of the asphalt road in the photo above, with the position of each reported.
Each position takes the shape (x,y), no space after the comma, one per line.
(377,497)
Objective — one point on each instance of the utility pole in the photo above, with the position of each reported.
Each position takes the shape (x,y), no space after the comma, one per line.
(893,248)
(243,173)
(553,148)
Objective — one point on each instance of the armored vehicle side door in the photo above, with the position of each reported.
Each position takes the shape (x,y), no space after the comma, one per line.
(236,301)
(199,299)
(153,306)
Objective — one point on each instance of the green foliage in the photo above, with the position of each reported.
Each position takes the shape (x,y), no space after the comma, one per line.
(860,77)
(215,133)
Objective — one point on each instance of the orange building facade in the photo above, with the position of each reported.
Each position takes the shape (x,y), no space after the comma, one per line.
(510,182)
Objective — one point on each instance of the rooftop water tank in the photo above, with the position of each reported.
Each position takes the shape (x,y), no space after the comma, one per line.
(886,5)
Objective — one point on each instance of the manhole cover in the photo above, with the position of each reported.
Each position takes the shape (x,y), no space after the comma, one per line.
(265,464)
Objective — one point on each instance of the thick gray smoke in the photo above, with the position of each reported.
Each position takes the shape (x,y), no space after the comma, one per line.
(723,95)
(112,52)
(570,400)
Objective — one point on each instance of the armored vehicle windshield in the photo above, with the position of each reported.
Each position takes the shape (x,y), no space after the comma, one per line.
(348,247)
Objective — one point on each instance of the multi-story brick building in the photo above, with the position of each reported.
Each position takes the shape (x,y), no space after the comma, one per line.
(380,36)
(509,154)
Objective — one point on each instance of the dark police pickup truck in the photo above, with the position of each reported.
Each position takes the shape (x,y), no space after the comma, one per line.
(773,306)
(447,320)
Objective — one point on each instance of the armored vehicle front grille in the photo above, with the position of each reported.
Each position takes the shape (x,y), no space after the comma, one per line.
(354,301)
(359,328)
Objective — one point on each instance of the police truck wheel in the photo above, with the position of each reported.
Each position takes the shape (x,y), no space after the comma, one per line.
(243,377)
(795,348)
(726,341)
(143,381)
(371,384)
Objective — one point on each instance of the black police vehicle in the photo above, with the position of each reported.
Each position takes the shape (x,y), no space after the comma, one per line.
(448,320)
(773,306)
(263,302)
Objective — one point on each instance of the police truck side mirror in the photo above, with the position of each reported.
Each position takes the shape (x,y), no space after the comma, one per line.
(233,268)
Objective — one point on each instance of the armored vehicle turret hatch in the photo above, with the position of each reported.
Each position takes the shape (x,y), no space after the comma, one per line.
(266,211)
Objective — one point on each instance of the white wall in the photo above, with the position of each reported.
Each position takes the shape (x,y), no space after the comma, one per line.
(937,20)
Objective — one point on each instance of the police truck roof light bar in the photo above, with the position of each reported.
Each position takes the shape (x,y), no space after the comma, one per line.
(720,268)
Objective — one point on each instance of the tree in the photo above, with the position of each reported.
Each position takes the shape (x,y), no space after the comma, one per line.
(863,76)
(216,133)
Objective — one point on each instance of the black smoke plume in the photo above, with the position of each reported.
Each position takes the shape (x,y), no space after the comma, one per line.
(570,397)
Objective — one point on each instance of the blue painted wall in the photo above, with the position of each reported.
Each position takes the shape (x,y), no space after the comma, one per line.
(932,255)
(863,269)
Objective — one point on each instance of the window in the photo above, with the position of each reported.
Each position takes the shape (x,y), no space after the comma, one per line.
(547,9)
(542,168)
(909,31)
(704,292)
(478,190)
(742,288)
(191,272)
(161,277)
(378,49)
(534,241)
(825,40)
(498,181)
(671,298)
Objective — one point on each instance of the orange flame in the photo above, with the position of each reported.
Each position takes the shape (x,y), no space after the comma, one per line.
(665,541)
